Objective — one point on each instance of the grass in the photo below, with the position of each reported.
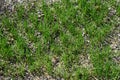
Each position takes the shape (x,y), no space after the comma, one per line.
(55,42)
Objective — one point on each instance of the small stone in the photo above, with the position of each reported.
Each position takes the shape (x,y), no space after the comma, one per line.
(55,60)
(111,12)
(113,46)
(116,59)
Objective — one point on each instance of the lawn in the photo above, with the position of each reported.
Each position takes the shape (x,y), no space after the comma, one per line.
(65,40)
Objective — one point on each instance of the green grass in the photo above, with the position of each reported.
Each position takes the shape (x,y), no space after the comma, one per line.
(60,35)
